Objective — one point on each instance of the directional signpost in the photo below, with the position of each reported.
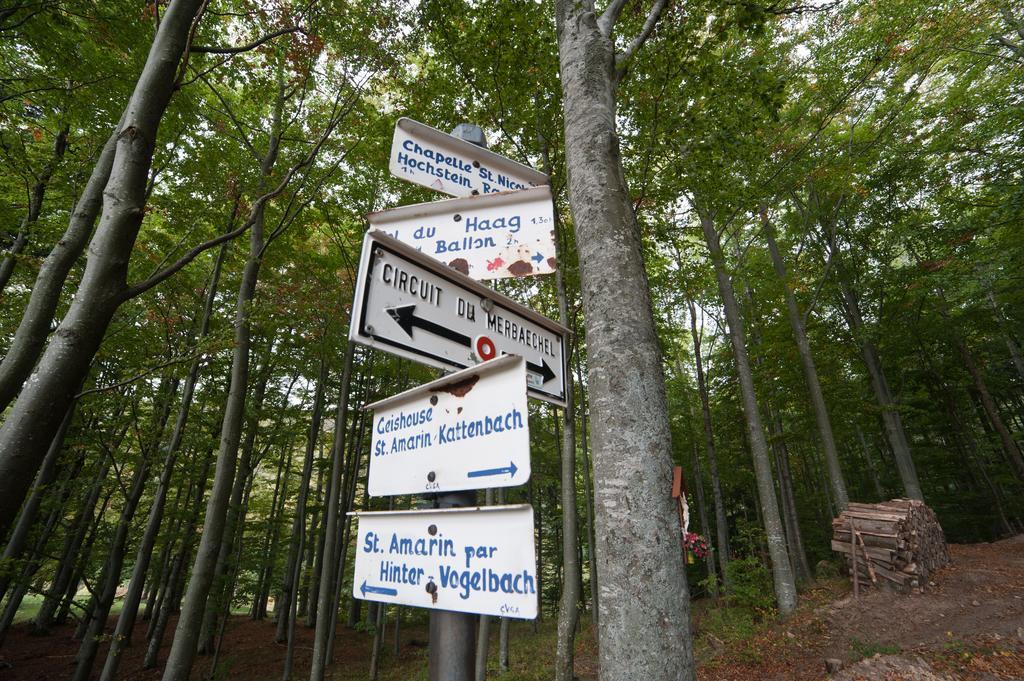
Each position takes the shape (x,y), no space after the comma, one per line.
(463,431)
(428,157)
(413,306)
(510,234)
(418,296)
(474,560)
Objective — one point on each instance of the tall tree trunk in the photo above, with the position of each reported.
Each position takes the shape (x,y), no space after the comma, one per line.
(794,537)
(29,427)
(869,462)
(47,474)
(72,545)
(568,608)
(130,607)
(176,579)
(810,371)
(35,206)
(1010,447)
(187,632)
(721,522)
(782,574)
(286,622)
(702,514)
(891,420)
(325,598)
(642,634)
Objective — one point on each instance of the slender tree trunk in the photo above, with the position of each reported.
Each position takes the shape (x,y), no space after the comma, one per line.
(721,522)
(294,564)
(891,420)
(72,545)
(326,613)
(702,513)
(177,576)
(1010,447)
(810,371)
(30,425)
(870,465)
(568,609)
(642,634)
(782,574)
(47,474)
(794,537)
(35,206)
(188,630)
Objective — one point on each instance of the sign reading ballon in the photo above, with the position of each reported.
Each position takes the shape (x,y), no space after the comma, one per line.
(510,234)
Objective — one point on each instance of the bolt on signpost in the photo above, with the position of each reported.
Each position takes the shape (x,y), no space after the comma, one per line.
(418,296)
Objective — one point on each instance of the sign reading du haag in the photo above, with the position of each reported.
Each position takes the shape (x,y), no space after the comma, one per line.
(425,156)
(463,431)
(475,560)
(510,234)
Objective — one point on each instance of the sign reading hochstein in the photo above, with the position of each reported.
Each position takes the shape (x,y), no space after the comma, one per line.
(428,157)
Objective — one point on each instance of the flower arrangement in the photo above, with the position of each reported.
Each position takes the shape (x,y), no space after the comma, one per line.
(695,544)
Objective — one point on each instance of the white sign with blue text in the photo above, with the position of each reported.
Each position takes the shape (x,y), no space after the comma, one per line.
(464,431)
(425,156)
(510,234)
(410,305)
(476,560)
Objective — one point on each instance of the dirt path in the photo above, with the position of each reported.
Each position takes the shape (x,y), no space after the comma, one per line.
(967,624)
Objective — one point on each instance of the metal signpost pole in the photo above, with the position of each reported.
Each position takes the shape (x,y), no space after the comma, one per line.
(453,634)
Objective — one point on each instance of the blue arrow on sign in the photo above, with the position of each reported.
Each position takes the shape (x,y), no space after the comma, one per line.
(511,469)
(537,257)
(378,590)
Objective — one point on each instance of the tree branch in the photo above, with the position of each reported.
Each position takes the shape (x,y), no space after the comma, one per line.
(606,22)
(202,49)
(143,286)
(649,23)
(137,377)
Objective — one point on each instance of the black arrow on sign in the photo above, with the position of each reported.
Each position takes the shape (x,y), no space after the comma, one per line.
(405,317)
(543,369)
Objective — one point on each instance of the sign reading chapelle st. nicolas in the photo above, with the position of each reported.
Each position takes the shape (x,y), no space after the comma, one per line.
(411,305)
(426,156)
(510,234)
(467,430)
(475,560)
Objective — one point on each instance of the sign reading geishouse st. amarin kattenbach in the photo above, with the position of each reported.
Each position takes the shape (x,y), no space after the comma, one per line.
(410,305)
(463,431)
(475,560)
(425,156)
(492,236)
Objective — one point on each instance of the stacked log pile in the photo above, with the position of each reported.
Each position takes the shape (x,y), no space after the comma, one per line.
(896,543)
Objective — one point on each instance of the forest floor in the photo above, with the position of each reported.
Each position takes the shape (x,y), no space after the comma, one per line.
(967,624)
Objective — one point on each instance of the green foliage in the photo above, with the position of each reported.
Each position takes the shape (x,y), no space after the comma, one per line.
(861,649)
(751,585)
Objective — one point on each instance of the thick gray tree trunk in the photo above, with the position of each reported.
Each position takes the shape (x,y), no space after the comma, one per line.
(782,573)
(644,606)
(810,371)
(30,425)
(721,522)
(34,326)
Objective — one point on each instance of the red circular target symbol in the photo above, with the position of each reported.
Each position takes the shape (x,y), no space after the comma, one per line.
(485,349)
